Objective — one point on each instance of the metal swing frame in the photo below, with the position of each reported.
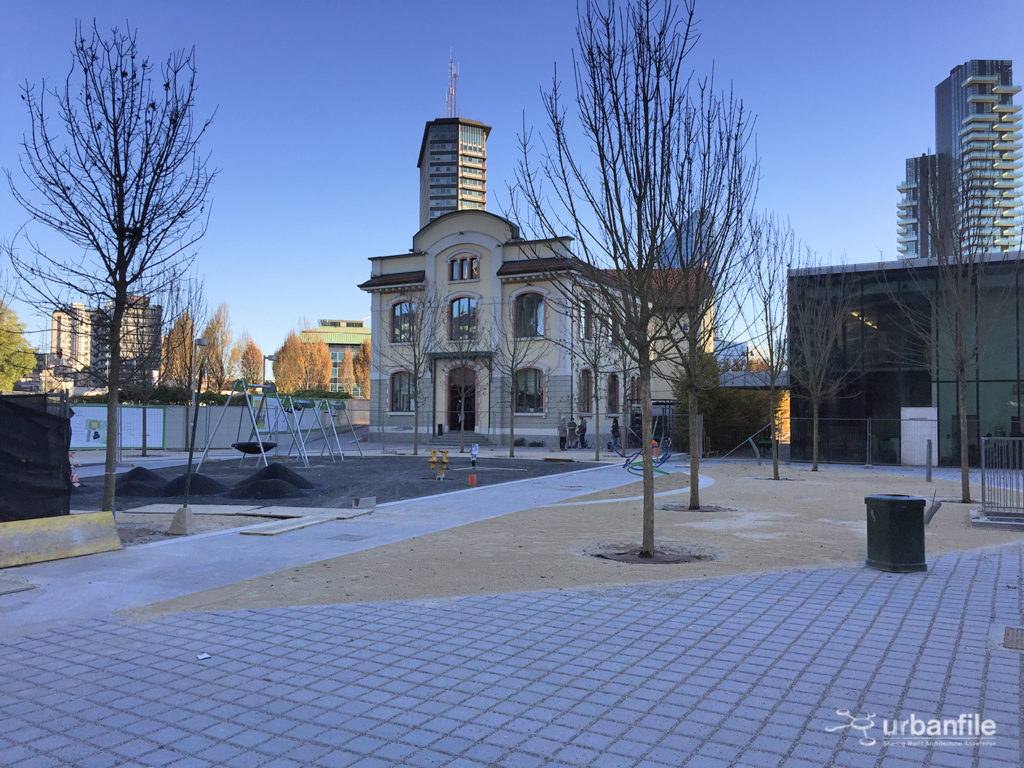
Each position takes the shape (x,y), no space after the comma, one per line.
(241,387)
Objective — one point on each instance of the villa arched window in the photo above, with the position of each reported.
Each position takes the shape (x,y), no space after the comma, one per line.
(529,315)
(612,398)
(462,323)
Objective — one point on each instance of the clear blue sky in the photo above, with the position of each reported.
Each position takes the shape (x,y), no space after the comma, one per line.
(321,105)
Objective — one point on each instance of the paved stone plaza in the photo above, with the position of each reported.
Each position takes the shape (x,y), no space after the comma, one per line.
(739,671)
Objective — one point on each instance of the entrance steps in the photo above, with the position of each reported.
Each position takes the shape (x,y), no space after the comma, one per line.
(453,439)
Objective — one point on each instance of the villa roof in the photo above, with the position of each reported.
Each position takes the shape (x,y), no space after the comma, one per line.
(414,277)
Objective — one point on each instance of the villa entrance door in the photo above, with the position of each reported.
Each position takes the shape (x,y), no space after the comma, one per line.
(461,399)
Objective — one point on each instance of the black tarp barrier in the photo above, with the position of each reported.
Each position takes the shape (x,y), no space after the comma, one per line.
(35,475)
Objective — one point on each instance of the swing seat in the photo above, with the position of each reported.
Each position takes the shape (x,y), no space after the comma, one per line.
(254,447)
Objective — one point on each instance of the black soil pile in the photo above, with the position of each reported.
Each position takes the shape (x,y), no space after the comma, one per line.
(273,488)
(199,485)
(140,482)
(281,472)
(140,475)
(135,488)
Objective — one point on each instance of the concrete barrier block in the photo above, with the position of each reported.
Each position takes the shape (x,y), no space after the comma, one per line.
(54,538)
(365,502)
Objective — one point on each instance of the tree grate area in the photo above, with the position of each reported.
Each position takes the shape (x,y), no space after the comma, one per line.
(1013,638)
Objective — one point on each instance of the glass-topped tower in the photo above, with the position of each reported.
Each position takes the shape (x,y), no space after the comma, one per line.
(453,167)
(978,147)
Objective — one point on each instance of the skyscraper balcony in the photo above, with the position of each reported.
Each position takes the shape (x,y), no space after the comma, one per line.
(1010,89)
(980,80)
(981,117)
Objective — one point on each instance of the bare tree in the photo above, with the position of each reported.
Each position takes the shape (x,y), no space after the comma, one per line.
(716,187)
(945,314)
(520,344)
(775,251)
(412,324)
(112,164)
(667,189)
(820,363)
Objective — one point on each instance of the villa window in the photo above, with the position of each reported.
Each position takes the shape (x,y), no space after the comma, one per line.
(529,315)
(529,391)
(463,268)
(462,325)
(612,398)
(586,322)
(401,322)
(586,391)
(401,392)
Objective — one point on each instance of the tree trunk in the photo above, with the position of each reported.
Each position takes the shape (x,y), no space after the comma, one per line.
(815,408)
(773,430)
(691,420)
(965,470)
(113,385)
(647,546)
(512,421)
(415,416)
(597,419)
(144,429)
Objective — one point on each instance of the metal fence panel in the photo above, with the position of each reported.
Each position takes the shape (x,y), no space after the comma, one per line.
(1002,476)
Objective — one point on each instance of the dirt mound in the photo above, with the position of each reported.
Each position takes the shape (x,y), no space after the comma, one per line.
(138,488)
(274,488)
(140,475)
(280,472)
(200,484)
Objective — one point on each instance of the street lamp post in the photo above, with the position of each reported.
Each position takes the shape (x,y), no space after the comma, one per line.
(182,522)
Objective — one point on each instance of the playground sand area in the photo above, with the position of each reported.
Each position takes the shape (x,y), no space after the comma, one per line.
(747,523)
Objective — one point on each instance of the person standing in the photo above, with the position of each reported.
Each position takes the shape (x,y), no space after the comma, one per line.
(563,432)
(615,444)
(572,432)
(581,431)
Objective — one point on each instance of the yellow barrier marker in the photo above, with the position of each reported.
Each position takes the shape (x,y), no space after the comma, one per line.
(54,538)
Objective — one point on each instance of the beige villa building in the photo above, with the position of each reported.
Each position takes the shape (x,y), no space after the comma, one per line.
(472,331)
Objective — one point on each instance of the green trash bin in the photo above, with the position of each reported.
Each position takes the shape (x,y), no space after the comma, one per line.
(895,533)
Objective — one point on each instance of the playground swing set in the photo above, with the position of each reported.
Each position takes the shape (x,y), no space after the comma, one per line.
(289,410)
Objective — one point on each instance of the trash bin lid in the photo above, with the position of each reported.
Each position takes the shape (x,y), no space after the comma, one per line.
(894,497)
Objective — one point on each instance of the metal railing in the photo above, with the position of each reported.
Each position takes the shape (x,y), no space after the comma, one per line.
(1002,476)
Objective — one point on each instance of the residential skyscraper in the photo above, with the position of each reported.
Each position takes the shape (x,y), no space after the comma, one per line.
(453,167)
(978,157)
(71,335)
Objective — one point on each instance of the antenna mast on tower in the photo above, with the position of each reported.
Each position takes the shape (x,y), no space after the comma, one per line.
(453,76)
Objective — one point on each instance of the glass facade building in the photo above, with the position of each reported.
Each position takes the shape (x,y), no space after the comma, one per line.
(897,352)
(977,154)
